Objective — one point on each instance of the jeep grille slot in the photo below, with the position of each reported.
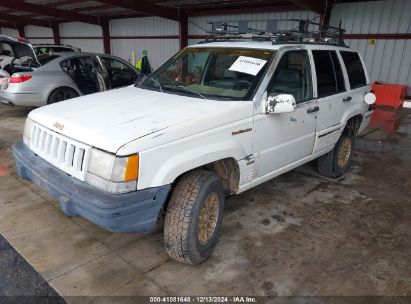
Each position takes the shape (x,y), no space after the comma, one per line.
(63,152)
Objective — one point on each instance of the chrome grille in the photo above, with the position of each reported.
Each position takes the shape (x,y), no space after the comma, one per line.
(65,153)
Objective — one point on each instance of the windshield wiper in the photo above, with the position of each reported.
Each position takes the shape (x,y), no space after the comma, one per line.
(185,89)
(157,83)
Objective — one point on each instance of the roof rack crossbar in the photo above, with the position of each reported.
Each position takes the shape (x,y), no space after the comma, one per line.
(305,31)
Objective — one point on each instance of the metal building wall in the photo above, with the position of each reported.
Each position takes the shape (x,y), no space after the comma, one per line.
(88,37)
(9,32)
(158,36)
(388,60)
(38,34)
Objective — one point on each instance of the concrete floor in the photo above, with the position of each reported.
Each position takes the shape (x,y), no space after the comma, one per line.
(299,234)
(19,279)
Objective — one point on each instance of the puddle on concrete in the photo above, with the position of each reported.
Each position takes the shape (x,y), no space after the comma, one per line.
(388,131)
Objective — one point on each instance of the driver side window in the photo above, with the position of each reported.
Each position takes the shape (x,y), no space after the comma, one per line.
(293,76)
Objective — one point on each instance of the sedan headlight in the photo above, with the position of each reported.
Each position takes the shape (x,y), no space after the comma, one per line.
(27,131)
(111,173)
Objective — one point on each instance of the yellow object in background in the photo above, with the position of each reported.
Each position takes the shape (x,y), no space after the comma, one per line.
(133,57)
(139,64)
(372,41)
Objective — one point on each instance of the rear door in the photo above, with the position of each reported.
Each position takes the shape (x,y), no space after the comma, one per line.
(83,73)
(358,82)
(119,73)
(332,96)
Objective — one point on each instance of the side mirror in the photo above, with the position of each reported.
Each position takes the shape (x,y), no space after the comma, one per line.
(370,98)
(282,103)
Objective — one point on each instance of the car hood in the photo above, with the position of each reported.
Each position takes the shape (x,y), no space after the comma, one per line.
(110,120)
(20,48)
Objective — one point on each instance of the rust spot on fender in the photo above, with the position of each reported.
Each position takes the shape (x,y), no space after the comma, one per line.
(241,131)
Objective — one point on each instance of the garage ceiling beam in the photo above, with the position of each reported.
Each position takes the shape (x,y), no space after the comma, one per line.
(48,11)
(146,7)
(317,6)
(244,10)
(23,20)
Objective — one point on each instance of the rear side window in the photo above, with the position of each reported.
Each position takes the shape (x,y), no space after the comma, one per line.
(327,79)
(43,59)
(355,70)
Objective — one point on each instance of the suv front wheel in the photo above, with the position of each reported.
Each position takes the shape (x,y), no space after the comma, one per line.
(336,162)
(194,216)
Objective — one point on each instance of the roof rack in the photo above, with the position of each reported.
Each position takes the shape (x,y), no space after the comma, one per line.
(279,31)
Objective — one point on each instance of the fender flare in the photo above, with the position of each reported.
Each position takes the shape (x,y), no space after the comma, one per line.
(182,162)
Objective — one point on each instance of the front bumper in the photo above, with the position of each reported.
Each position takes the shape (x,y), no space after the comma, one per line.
(130,212)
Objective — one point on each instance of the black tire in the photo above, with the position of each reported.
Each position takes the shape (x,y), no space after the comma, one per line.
(181,227)
(329,164)
(61,94)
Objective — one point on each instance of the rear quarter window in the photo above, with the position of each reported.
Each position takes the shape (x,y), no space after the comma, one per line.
(355,69)
(43,59)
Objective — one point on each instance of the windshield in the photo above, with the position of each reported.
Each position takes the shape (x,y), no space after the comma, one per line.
(214,73)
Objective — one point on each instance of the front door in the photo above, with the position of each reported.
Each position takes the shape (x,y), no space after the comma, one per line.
(281,140)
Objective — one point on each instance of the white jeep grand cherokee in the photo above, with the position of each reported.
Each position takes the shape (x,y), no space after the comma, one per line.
(215,120)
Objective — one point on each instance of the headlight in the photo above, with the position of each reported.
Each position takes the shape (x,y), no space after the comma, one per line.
(112,174)
(27,131)
(101,163)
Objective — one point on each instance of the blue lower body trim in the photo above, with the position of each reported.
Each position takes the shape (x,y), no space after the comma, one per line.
(130,212)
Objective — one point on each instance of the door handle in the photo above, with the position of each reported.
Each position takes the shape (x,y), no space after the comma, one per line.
(346,99)
(313,109)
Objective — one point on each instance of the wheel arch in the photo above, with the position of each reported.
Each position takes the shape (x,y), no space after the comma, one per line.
(51,90)
(353,123)
(223,162)
(227,169)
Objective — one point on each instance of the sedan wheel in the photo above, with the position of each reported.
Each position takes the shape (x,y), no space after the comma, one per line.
(61,94)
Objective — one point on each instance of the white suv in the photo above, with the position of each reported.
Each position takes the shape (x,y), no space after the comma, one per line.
(215,120)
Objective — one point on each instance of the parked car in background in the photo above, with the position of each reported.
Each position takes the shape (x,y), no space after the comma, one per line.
(49,78)
(13,48)
(44,48)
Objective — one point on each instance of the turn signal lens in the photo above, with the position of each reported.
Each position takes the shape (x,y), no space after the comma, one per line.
(113,168)
(132,168)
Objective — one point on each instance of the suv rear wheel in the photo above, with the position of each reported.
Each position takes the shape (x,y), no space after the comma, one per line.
(336,162)
(194,217)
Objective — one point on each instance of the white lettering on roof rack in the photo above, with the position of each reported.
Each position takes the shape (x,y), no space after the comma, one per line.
(248,65)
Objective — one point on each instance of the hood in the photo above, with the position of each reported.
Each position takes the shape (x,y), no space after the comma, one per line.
(109,120)
(20,48)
